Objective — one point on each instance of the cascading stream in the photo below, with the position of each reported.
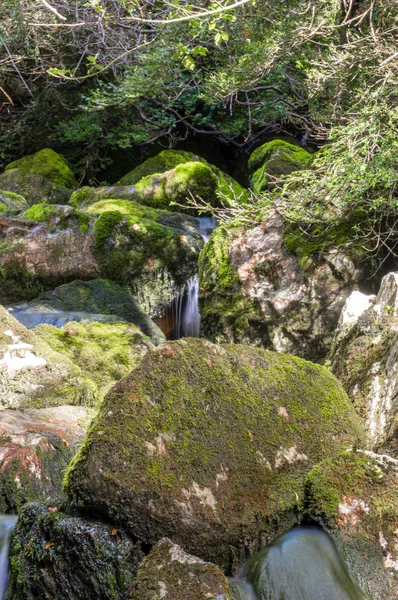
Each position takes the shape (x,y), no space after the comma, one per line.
(7,523)
(183,317)
(303,564)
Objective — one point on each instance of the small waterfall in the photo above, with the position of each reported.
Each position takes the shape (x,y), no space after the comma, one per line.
(7,523)
(182,318)
(303,564)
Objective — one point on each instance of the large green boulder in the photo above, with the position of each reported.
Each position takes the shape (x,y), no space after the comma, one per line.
(49,164)
(11,204)
(33,187)
(273,159)
(105,352)
(60,556)
(166,160)
(210,446)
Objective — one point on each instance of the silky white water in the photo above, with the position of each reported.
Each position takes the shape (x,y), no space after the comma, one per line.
(7,523)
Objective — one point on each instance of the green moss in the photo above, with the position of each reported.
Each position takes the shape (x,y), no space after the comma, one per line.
(164,161)
(193,410)
(223,306)
(33,187)
(125,207)
(105,352)
(319,238)
(40,212)
(11,203)
(82,197)
(48,163)
(91,559)
(273,159)
(128,245)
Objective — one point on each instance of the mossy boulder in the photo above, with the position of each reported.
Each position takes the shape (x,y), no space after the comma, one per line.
(166,160)
(105,352)
(273,159)
(36,446)
(49,246)
(174,176)
(11,204)
(33,375)
(59,556)
(33,187)
(99,296)
(170,572)
(49,164)
(355,496)
(130,249)
(210,446)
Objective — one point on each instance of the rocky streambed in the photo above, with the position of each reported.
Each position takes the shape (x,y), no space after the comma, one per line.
(143,467)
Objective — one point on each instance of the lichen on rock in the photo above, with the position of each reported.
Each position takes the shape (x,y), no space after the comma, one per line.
(11,203)
(355,496)
(33,187)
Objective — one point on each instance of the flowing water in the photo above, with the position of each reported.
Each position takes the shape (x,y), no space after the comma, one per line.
(31,317)
(303,564)
(182,319)
(7,523)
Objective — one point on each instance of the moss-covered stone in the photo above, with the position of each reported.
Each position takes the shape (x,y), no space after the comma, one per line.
(225,311)
(105,352)
(273,159)
(59,556)
(173,175)
(33,187)
(175,189)
(99,296)
(168,571)
(162,162)
(48,163)
(129,247)
(211,445)
(40,212)
(355,496)
(11,203)
(34,375)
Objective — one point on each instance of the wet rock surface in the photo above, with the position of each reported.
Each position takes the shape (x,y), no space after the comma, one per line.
(355,497)
(64,557)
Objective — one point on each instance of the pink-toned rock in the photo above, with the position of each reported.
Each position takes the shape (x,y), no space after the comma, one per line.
(38,252)
(36,446)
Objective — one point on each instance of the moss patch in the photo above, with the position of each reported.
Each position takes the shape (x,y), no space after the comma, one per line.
(48,163)
(273,159)
(40,212)
(164,161)
(11,203)
(105,352)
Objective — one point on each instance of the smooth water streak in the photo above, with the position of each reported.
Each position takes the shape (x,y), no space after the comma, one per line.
(303,564)
(7,523)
